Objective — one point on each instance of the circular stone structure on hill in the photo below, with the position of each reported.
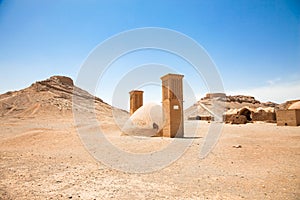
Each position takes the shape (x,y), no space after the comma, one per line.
(145,121)
(63,79)
(295,105)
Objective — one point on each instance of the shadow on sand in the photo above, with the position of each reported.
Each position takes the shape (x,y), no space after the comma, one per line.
(191,137)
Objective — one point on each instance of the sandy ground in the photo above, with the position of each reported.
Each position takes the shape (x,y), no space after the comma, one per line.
(44,158)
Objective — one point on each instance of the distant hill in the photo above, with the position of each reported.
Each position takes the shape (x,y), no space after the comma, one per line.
(219,102)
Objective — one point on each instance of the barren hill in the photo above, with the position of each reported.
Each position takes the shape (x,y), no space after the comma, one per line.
(42,155)
(53,96)
(220,103)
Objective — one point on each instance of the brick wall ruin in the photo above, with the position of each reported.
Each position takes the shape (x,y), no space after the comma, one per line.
(288,117)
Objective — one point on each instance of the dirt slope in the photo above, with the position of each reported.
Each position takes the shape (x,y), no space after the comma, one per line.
(49,97)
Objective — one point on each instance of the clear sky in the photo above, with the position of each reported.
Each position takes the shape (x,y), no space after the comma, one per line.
(255,44)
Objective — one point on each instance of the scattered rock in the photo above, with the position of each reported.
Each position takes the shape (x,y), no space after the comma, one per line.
(4,194)
(242,99)
(237,146)
(63,79)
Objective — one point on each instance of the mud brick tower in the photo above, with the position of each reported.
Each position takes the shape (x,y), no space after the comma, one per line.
(172,101)
(136,100)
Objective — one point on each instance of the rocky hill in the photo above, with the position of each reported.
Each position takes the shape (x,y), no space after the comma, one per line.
(220,103)
(51,97)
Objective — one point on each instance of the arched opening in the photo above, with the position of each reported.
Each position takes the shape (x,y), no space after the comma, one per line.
(155,126)
(247,113)
(198,117)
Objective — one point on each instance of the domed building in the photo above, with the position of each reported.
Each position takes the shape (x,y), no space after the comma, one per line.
(145,121)
(155,120)
(290,116)
(295,106)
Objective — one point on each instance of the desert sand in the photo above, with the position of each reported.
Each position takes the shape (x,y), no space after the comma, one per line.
(43,157)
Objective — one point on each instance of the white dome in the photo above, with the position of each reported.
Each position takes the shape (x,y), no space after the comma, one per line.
(295,105)
(145,121)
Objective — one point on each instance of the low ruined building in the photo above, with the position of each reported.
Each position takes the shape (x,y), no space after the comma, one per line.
(193,118)
(250,115)
(241,116)
(238,119)
(262,115)
(201,117)
(207,118)
(247,113)
(290,116)
(226,118)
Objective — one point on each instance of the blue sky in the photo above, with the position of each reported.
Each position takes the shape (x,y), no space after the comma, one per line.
(254,44)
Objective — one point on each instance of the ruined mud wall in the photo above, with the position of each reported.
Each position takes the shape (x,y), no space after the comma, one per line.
(264,116)
(288,117)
